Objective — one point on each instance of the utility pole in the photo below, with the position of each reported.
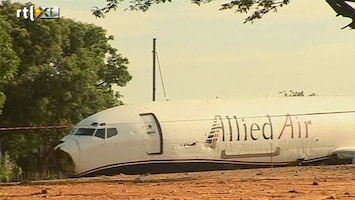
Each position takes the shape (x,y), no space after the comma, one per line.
(154,39)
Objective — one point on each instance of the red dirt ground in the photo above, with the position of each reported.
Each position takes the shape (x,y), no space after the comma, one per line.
(316,182)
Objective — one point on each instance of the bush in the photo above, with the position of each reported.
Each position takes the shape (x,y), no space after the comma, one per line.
(8,169)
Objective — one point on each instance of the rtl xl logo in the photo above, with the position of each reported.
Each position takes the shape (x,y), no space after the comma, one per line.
(43,12)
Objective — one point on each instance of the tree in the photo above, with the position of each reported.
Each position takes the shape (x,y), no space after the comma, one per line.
(8,58)
(344,9)
(255,8)
(65,73)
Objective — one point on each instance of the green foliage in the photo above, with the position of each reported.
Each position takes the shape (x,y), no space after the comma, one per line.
(8,168)
(4,168)
(256,8)
(8,58)
(64,72)
(2,101)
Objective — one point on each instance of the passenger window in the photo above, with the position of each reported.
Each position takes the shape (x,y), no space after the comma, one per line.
(85,131)
(100,133)
(111,132)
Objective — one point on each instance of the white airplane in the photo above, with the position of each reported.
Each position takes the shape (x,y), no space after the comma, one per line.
(176,136)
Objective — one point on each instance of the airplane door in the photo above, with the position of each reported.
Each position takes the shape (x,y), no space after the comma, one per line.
(153,136)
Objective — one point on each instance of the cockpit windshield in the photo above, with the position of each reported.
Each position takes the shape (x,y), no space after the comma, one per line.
(103,133)
(85,131)
(100,133)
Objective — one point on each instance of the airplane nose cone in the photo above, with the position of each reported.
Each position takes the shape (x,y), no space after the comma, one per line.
(64,162)
(67,156)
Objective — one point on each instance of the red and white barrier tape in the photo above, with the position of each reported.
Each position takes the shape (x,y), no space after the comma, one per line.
(32,128)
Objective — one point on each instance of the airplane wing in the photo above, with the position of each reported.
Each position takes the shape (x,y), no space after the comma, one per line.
(345,153)
(344,9)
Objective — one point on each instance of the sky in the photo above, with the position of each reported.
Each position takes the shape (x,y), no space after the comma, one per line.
(207,53)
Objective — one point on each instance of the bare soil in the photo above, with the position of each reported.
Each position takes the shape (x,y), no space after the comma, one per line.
(302,182)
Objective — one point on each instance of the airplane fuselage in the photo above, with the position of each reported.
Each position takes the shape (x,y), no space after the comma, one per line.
(199,135)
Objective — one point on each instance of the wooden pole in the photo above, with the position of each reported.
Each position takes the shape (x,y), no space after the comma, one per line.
(154,39)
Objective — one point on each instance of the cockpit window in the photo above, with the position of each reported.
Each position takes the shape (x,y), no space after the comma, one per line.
(72,132)
(111,132)
(85,131)
(100,133)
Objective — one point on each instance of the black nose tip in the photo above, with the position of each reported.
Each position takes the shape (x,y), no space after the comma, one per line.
(64,163)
